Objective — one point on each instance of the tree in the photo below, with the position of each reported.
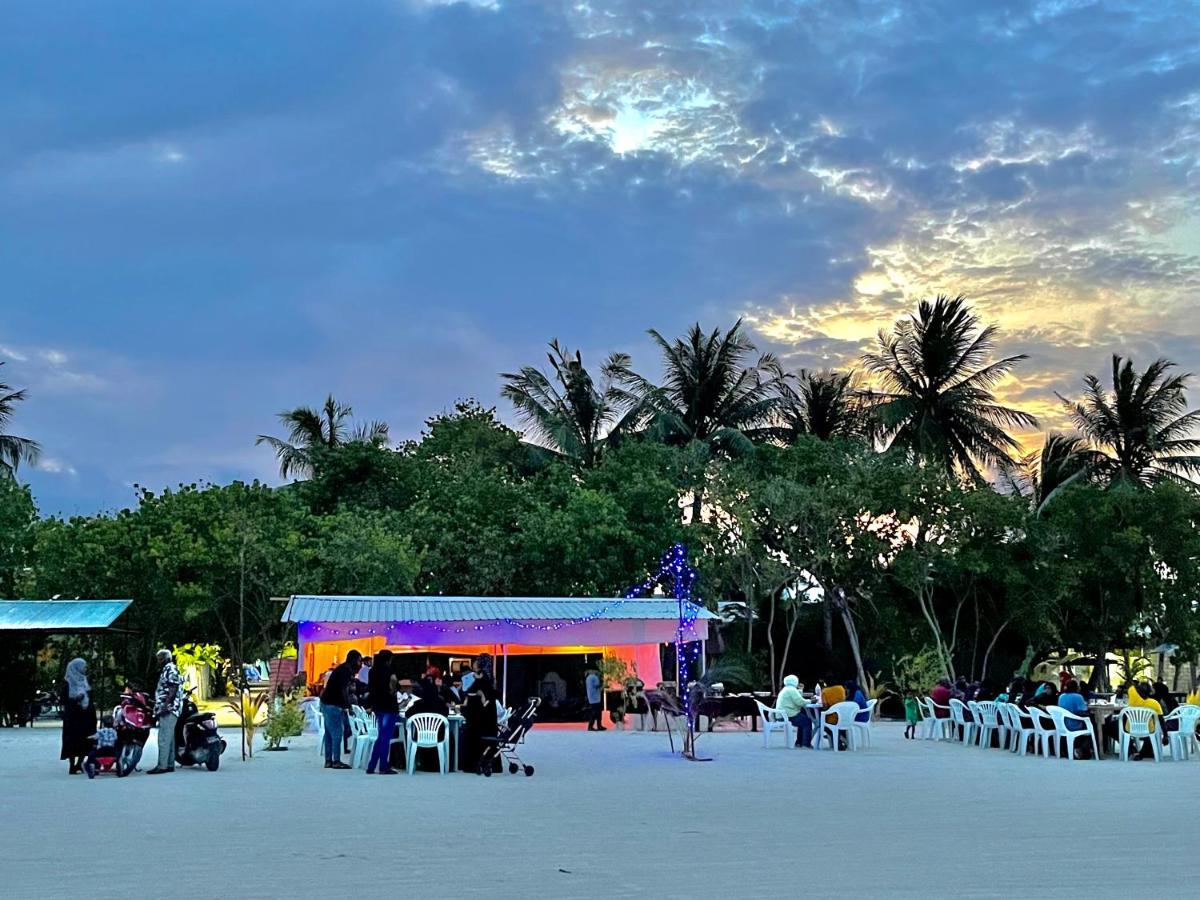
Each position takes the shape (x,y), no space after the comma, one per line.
(309,429)
(826,405)
(936,397)
(1063,460)
(18,519)
(566,412)
(714,395)
(13,450)
(1141,429)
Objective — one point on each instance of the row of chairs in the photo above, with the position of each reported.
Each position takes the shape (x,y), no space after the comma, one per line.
(1016,729)
(831,723)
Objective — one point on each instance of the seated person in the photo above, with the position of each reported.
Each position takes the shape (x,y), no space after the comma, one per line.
(792,704)
(1072,701)
(104,744)
(1141,695)
(855,693)
(835,693)
(941,695)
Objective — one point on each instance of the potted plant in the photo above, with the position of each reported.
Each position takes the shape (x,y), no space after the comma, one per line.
(285,719)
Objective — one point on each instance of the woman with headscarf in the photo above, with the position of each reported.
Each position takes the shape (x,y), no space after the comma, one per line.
(479,714)
(78,715)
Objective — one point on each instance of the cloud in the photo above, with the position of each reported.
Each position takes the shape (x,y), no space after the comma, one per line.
(246,209)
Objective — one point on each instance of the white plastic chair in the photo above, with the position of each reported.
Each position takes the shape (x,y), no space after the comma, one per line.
(938,727)
(977,718)
(1135,723)
(773,720)
(992,723)
(1021,732)
(363,731)
(1061,717)
(1183,742)
(427,730)
(863,729)
(845,713)
(320,719)
(966,727)
(1044,732)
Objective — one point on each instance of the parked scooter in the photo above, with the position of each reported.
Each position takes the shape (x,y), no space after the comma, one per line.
(197,742)
(133,718)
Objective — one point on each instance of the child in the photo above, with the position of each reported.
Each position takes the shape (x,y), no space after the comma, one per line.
(912,714)
(105,740)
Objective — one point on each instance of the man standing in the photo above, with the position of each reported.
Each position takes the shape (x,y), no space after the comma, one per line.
(336,700)
(592,683)
(168,702)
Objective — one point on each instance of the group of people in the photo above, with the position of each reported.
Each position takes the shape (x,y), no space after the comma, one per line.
(473,692)
(1070,694)
(795,705)
(87,738)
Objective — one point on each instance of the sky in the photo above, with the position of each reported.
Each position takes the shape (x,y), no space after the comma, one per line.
(211,212)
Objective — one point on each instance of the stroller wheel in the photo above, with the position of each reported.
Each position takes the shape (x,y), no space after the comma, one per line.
(528,771)
(513,768)
(487,771)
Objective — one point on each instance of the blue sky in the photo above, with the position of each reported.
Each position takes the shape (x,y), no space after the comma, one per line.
(210,212)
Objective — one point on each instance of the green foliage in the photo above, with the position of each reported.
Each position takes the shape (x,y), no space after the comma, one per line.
(918,671)
(198,655)
(285,719)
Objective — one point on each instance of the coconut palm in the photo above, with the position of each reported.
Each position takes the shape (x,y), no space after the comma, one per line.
(310,429)
(935,399)
(824,404)
(565,412)
(715,393)
(1063,460)
(1141,429)
(13,450)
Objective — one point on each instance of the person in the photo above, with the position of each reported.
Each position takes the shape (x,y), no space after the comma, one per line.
(452,693)
(912,714)
(381,690)
(792,704)
(941,695)
(479,715)
(336,701)
(104,743)
(855,693)
(1143,695)
(364,674)
(592,684)
(168,703)
(78,715)
(1073,701)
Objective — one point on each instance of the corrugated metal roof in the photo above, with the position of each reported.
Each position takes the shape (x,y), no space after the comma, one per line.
(59,615)
(307,608)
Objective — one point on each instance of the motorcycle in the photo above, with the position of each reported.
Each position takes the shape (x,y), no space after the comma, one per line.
(133,718)
(197,742)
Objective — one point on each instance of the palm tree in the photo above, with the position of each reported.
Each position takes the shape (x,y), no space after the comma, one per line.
(566,412)
(1063,460)
(936,379)
(13,450)
(715,393)
(824,404)
(1141,429)
(310,429)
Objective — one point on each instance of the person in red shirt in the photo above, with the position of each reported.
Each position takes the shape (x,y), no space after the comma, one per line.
(941,696)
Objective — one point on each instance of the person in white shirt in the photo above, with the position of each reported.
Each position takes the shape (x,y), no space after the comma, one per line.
(365,672)
(792,704)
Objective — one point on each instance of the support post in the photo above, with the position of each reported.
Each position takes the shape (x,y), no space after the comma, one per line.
(504,683)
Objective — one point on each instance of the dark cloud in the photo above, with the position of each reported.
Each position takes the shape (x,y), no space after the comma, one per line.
(215,211)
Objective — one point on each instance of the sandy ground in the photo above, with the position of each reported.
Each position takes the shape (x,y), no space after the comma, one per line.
(607,815)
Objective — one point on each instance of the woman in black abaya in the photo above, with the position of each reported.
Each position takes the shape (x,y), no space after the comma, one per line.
(479,711)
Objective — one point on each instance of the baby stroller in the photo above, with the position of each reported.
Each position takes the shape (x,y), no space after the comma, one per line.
(505,743)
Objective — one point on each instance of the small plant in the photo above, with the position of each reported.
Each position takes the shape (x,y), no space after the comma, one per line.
(285,719)
(247,707)
(918,671)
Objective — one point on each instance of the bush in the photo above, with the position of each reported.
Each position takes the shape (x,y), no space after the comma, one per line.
(285,719)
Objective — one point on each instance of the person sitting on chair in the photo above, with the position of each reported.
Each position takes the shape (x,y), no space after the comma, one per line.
(792,704)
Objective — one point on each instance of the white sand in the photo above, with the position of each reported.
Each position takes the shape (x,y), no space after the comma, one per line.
(609,815)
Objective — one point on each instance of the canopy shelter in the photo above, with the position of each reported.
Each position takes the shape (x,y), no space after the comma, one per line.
(630,629)
(60,616)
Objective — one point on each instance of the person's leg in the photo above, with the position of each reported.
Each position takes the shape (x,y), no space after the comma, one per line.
(166,743)
(379,753)
(327,735)
(334,720)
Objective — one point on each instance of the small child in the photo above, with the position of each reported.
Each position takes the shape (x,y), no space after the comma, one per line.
(105,742)
(912,714)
